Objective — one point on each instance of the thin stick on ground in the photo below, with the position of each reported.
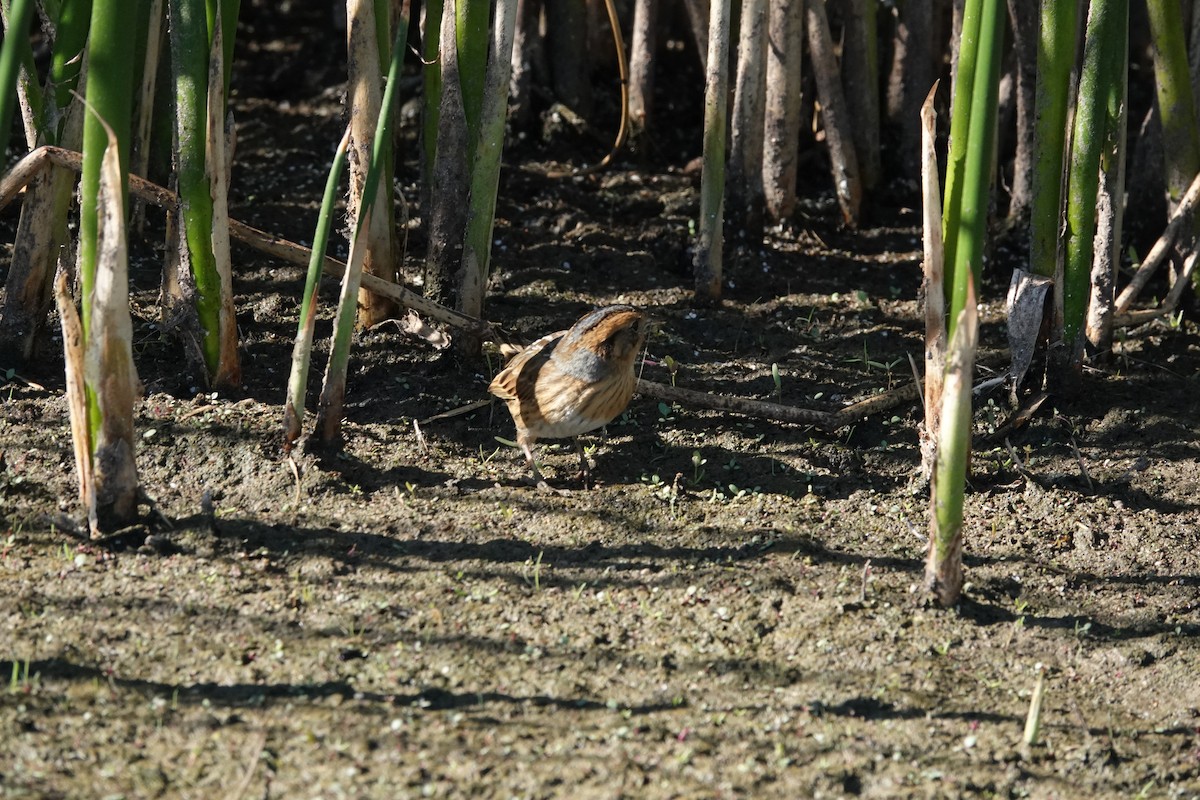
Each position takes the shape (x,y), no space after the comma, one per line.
(826,420)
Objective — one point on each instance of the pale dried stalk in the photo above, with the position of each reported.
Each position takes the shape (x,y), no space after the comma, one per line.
(847,181)
(934,287)
(785,26)
(72,330)
(745,185)
(641,65)
(216,165)
(362,48)
(708,259)
(41,236)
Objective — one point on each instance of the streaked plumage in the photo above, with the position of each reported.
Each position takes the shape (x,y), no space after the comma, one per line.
(573,381)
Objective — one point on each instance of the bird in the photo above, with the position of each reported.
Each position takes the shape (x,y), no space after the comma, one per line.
(573,381)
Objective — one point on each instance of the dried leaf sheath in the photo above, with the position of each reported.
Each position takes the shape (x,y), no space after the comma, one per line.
(72,330)
(934,287)
(108,367)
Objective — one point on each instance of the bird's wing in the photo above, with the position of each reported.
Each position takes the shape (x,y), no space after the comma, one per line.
(504,385)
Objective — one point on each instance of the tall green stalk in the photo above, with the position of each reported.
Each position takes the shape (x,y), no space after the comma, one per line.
(190,45)
(431,77)
(972,142)
(70,37)
(110,93)
(471,32)
(293,412)
(968,188)
(106,332)
(1176,105)
(1103,58)
(943,566)
(1181,144)
(962,88)
(19,15)
(485,170)
(1110,203)
(1055,60)
(333,391)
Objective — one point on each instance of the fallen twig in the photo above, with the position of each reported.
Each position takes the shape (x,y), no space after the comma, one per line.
(826,420)
(1159,252)
(738,405)
(1169,303)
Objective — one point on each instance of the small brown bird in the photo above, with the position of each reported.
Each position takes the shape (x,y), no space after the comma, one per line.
(573,381)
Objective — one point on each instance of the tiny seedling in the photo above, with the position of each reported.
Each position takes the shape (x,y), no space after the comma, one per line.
(778,382)
(870,363)
(672,367)
(1019,606)
(698,463)
(536,566)
(20,682)
(484,458)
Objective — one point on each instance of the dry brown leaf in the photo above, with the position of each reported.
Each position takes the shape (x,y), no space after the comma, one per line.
(413,325)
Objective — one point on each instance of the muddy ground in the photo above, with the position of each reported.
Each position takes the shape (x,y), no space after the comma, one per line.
(734,610)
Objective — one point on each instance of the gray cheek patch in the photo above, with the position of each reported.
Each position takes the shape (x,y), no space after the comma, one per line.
(580,363)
